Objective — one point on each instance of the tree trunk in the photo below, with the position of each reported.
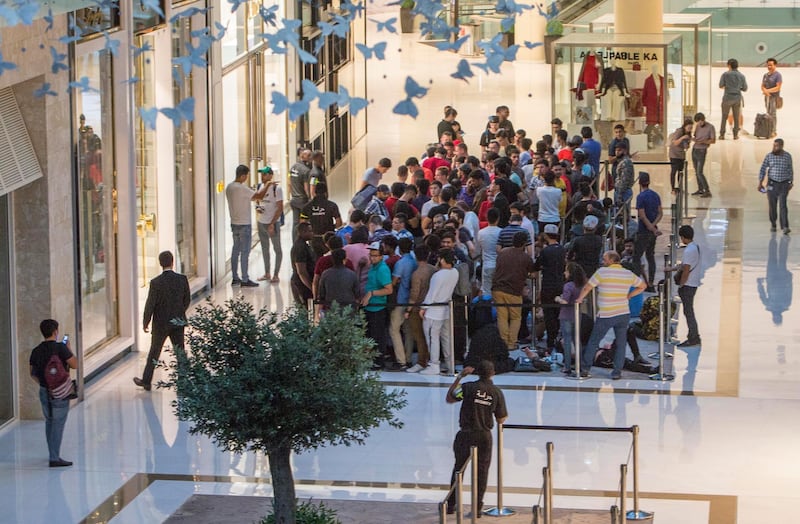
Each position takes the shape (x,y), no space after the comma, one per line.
(282,484)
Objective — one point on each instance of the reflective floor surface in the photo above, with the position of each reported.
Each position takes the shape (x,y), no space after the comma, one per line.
(716,445)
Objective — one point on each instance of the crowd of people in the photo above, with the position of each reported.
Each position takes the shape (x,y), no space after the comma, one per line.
(471,228)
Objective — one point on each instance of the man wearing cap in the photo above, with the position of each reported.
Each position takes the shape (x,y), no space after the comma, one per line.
(587,248)
(377,206)
(239,195)
(704,136)
(648,208)
(376,291)
(551,262)
(514,267)
(613,284)
(268,213)
(323,215)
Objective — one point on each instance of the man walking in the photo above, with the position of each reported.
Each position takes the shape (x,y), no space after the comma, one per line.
(779,173)
(613,285)
(688,282)
(771,88)
(481,400)
(167,300)
(269,210)
(239,196)
(648,207)
(733,83)
(55,410)
(704,136)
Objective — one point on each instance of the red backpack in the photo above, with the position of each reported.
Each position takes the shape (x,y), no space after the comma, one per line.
(57,377)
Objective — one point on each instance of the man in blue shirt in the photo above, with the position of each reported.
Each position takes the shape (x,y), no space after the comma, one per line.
(771,88)
(592,148)
(401,281)
(648,207)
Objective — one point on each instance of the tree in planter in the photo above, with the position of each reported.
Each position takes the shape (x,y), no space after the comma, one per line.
(257,381)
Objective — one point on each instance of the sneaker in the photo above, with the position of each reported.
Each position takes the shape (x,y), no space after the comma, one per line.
(722,137)
(616,375)
(698,192)
(397,366)
(445,372)
(60,463)
(249,283)
(786,231)
(706,194)
(432,369)
(584,374)
(773,229)
(416,368)
(689,343)
(236,282)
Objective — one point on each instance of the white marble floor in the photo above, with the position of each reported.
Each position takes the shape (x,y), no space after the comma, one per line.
(716,445)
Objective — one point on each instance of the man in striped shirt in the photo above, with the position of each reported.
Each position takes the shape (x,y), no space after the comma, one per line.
(777,168)
(613,284)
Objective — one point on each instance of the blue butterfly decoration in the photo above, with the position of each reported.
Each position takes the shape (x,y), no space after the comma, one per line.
(235,4)
(269,15)
(82,85)
(6,66)
(379,50)
(58,61)
(193,58)
(77,34)
(310,92)
(408,107)
(139,50)
(387,25)
(149,117)
(355,104)
(154,6)
(531,45)
(511,7)
(496,54)
(451,46)
(463,72)
(44,91)
(49,19)
(188,13)
(183,111)
(112,44)
(353,10)
(296,109)
(21,11)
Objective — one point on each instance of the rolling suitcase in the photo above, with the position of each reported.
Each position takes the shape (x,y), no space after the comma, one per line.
(763,126)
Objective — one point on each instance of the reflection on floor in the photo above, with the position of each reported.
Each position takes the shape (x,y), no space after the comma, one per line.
(716,445)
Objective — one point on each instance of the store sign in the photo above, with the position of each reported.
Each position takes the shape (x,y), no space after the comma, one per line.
(631,56)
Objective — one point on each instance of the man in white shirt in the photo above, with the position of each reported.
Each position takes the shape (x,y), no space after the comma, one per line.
(239,196)
(435,318)
(689,281)
(269,210)
(487,247)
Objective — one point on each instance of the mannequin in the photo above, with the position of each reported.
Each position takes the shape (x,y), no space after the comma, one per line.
(614,91)
(588,86)
(653,102)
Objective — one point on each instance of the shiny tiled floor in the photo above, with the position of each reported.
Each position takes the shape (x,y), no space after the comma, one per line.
(716,445)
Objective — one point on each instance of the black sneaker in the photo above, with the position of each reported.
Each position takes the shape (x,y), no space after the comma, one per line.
(706,194)
(249,283)
(616,375)
(697,193)
(236,282)
(689,343)
(60,463)
(773,229)
(396,366)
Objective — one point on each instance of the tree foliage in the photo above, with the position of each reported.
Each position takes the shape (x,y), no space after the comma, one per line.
(259,381)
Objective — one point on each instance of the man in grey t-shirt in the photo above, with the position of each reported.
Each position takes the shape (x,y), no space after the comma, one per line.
(704,136)
(373,175)
(733,83)
(299,186)
(240,196)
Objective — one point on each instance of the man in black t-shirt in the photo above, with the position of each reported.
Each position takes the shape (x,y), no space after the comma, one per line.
(551,263)
(482,404)
(303,260)
(55,410)
(323,215)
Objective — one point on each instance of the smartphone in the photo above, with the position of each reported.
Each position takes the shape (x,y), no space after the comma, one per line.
(65,339)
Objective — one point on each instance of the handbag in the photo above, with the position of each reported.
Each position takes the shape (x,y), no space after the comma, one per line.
(637,66)
(778,102)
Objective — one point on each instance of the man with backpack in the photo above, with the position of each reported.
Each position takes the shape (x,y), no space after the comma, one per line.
(50,362)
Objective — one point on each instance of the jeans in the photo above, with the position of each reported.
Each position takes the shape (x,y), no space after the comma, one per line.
(242,235)
(601,326)
(676,168)
(727,106)
(264,237)
(461,448)
(776,196)
(508,318)
(699,162)
(156,343)
(645,244)
(567,340)
(687,299)
(55,418)
(770,102)
(437,334)
(487,274)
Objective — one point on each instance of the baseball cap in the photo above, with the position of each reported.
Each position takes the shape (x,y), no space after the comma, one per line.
(590,222)
(265,169)
(494,119)
(551,229)
(644,177)
(376,246)
(383,188)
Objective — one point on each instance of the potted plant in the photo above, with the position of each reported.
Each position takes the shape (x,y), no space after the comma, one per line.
(552,32)
(406,16)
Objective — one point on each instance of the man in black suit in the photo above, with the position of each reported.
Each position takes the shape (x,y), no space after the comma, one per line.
(168,299)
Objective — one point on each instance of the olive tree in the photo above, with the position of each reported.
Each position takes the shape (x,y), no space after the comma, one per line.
(278,383)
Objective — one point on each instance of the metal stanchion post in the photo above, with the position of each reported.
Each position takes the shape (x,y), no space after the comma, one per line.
(473,452)
(459,498)
(576,365)
(451,364)
(500,511)
(662,375)
(685,192)
(442,512)
(626,217)
(623,477)
(636,514)
(605,185)
(549,491)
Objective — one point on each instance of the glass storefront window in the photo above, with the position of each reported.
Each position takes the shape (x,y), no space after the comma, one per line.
(234,43)
(236,123)
(276,128)
(186,256)
(96,194)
